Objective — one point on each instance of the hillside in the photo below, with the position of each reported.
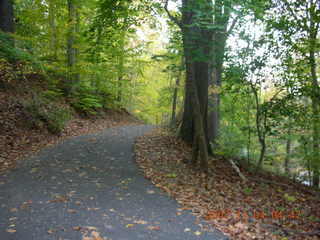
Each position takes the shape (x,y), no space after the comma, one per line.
(31,119)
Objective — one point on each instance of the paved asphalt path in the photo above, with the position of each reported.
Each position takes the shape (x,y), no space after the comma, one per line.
(90,183)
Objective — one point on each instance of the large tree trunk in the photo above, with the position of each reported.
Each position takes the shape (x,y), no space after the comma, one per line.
(72,51)
(197,43)
(6,16)
(197,51)
(199,147)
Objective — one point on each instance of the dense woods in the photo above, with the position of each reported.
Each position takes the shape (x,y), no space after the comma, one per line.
(230,79)
(237,78)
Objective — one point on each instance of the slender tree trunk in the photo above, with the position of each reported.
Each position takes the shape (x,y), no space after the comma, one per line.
(121,66)
(53,29)
(316,124)
(288,152)
(261,118)
(72,51)
(315,100)
(175,98)
(249,132)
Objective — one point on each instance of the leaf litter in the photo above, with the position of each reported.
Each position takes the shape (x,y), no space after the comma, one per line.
(265,207)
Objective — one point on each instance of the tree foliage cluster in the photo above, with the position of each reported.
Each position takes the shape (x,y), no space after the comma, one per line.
(252,66)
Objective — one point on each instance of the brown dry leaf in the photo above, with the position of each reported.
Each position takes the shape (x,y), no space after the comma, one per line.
(14,210)
(140,222)
(91,228)
(50,231)
(157,228)
(59,199)
(10,230)
(72,211)
(76,228)
(225,200)
(96,236)
(93,209)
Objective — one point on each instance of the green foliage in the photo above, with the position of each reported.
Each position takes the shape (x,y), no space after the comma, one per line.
(6,73)
(53,94)
(13,53)
(247,190)
(86,101)
(289,198)
(42,113)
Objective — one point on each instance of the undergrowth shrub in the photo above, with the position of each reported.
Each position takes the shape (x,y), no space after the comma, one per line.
(53,94)
(16,52)
(6,73)
(86,101)
(41,113)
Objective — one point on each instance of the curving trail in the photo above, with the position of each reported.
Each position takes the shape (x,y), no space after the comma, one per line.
(89,187)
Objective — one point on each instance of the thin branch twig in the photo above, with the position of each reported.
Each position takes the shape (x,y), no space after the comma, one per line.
(172,18)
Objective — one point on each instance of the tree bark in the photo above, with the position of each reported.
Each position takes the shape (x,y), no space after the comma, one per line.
(174,98)
(288,152)
(197,41)
(72,51)
(315,122)
(221,20)
(53,29)
(121,66)
(6,16)
(314,27)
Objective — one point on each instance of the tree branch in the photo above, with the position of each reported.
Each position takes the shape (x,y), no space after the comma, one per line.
(233,24)
(172,18)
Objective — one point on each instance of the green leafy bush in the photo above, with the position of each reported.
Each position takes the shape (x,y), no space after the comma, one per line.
(11,52)
(57,119)
(42,113)
(6,72)
(53,94)
(86,101)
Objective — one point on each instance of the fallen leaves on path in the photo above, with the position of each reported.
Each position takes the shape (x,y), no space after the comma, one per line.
(256,209)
